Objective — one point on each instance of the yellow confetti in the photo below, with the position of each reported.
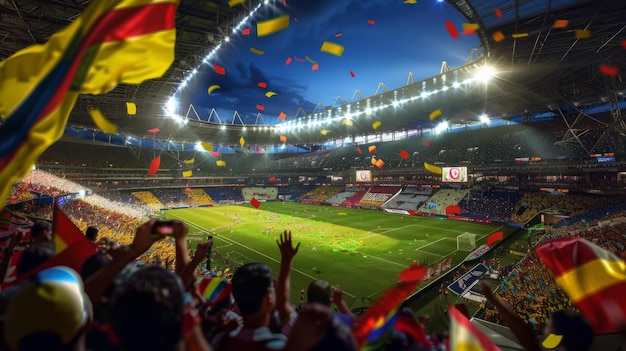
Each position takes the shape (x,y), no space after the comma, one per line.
(582,34)
(131,108)
(208,147)
(269,94)
(324,131)
(347,122)
(376,124)
(432,168)
(435,114)
(104,124)
(332,48)
(212,88)
(233,3)
(519,35)
(187,174)
(257,51)
(220,163)
(470,26)
(272,25)
(242,141)
(189,161)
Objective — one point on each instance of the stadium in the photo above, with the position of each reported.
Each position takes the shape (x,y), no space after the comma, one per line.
(474,172)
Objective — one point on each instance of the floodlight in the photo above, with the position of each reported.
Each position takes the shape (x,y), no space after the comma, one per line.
(485,73)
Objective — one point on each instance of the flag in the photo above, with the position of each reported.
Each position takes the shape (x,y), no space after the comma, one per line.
(215,290)
(465,336)
(495,237)
(372,330)
(111,42)
(593,278)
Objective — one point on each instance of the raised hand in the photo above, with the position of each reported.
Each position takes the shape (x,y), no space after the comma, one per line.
(285,245)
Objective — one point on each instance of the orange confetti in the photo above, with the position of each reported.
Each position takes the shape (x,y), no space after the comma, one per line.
(262,85)
(288,61)
(283,138)
(315,67)
(380,163)
(260,107)
(454,33)
(498,36)
(245,31)
(560,24)
(282,116)
(271,179)
(358,149)
(371,22)
(609,70)
(498,12)
(219,69)
(372,149)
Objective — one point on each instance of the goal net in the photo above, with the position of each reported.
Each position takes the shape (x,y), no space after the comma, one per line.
(466,242)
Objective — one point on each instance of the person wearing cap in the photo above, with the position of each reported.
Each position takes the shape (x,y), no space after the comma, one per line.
(49,312)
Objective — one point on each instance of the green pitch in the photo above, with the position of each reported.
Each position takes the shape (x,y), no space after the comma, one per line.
(362,251)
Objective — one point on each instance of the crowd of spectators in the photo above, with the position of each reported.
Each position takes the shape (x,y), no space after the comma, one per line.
(494,205)
(260,193)
(320,194)
(441,199)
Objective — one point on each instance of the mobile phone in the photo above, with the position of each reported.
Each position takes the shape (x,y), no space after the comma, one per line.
(161,228)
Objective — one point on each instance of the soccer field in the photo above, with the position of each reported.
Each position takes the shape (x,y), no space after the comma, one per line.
(362,251)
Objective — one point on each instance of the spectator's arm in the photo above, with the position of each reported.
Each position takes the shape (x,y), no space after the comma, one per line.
(201,252)
(4,265)
(340,303)
(287,253)
(521,330)
(309,329)
(97,283)
(180,237)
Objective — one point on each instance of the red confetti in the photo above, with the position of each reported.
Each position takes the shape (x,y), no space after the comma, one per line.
(469,31)
(288,60)
(358,149)
(260,107)
(299,59)
(154,130)
(404,154)
(255,203)
(352,74)
(315,67)
(262,85)
(338,35)
(215,154)
(271,179)
(245,31)
(285,3)
(154,165)
(219,69)
(454,33)
(427,143)
(498,12)
(608,70)
(259,150)
(282,116)
(624,43)
(371,22)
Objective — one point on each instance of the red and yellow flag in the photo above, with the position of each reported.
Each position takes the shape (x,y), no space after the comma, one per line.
(122,41)
(464,336)
(594,278)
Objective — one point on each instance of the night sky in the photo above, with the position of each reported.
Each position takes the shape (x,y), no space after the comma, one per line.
(384,41)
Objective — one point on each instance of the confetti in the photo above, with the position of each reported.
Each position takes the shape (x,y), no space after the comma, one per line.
(257,51)
(219,69)
(154,165)
(404,154)
(261,85)
(220,163)
(272,26)
(288,61)
(269,94)
(187,174)
(454,33)
(435,114)
(376,124)
(609,70)
(498,12)
(245,31)
(154,130)
(131,108)
(212,88)
(332,48)
(582,34)
(560,24)
(282,116)
(260,107)
(498,36)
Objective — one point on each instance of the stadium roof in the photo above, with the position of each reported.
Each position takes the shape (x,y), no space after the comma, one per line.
(543,66)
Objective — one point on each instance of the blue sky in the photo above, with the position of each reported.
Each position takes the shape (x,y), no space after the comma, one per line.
(403,38)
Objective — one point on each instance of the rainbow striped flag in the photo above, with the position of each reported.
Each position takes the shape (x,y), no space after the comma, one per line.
(593,278)
(121,41)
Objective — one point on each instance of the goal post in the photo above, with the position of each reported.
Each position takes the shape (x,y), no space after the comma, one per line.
(466,242)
